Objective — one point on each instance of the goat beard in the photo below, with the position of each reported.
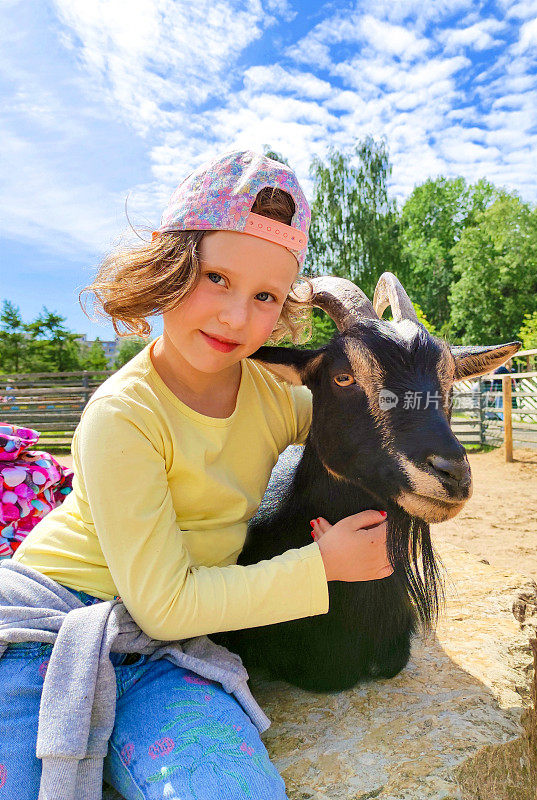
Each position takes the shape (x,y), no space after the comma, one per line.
(416,564)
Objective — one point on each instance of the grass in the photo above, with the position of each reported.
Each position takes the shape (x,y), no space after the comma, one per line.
(480,448)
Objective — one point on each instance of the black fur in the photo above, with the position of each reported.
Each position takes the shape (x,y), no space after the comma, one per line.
(368,629)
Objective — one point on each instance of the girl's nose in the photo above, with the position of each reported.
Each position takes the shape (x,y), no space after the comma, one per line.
(234,313)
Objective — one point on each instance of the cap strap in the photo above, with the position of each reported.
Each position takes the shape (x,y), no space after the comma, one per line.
(266,228)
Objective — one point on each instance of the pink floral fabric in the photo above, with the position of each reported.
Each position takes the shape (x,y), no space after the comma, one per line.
(32,483)
(220,194)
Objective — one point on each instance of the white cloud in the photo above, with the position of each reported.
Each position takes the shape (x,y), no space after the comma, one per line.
(282,8)
(357,28)
(459,151)
(523,10)
(277,79)
(158,55)
(418,14)
(389,75)
(169,71)
(477,36)
(528,37)
(394,39)
(515,100)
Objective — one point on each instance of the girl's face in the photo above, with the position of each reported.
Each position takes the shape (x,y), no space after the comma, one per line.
(236,304)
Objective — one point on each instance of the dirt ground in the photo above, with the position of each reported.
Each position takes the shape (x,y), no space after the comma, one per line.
(499,522)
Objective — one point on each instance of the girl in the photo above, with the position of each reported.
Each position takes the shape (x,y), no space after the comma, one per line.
(171,458)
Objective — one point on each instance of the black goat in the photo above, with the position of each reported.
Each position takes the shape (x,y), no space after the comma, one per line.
(371,445)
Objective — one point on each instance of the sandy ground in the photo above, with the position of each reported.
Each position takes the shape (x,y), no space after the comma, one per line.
(499,522)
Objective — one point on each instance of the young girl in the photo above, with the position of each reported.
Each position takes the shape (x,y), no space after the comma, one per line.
(172,456)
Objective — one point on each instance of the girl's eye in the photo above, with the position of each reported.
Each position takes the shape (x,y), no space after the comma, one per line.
(263,296)
(344,379)
(214,277)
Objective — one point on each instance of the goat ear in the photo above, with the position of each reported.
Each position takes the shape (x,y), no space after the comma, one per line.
(290,363)
(473,361)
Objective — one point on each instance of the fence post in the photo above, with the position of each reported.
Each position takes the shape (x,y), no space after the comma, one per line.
(481,404)
(85,384)
(507,395)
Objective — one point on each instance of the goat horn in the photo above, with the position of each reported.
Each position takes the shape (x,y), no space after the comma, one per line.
(341,299)
(389,292)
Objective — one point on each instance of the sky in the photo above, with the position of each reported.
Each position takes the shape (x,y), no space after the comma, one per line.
(104,100)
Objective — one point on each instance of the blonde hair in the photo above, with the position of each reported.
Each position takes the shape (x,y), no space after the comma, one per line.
(138,282)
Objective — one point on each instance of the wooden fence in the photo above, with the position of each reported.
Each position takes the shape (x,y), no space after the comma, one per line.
(52,402)
(483,415)
(49,402)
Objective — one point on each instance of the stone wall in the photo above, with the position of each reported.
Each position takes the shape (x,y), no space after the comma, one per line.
(451,725)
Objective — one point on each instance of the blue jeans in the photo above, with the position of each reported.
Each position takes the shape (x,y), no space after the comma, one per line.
(176,735)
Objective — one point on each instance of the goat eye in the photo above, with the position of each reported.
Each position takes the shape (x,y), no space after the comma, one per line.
(344,379)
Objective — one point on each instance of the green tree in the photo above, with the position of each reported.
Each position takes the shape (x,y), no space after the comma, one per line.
(322,329)
(354,232)
(95,357)
(270,153)
(528,332)
(432,221)
(128,348)
(424,321)
(52,347)
(421,318)
(495,263)
(13,338)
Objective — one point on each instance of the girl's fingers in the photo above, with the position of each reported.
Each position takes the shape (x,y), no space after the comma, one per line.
(323,524)
(319,527)
(365,519)
(377,534)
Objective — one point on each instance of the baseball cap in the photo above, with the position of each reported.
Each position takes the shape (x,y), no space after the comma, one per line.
(219,195)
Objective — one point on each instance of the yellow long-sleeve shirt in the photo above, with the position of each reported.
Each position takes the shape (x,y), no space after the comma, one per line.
(161,499)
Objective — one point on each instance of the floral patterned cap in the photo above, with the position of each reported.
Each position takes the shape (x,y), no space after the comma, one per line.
(220,194)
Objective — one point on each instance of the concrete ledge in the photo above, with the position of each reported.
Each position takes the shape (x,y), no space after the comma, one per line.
(450,726)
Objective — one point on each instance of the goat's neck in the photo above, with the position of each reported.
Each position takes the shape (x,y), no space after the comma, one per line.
(319,488)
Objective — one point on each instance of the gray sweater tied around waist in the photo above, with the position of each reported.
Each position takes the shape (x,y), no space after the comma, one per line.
(78,703)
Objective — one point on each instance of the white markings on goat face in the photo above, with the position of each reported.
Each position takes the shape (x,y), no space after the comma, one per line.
(406,330)
(423,483)
(426,508)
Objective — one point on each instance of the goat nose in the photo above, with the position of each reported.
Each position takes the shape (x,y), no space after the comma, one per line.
(455,471)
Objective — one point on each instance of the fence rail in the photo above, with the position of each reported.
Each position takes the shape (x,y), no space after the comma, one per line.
(53,402)
(484,413)
(50,402)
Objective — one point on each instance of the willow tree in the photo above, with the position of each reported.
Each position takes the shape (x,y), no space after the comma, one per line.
(354,231)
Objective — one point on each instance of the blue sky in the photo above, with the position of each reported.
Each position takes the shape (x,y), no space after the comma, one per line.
(104,99)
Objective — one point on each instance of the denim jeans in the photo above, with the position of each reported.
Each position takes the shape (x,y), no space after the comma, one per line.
(176,735)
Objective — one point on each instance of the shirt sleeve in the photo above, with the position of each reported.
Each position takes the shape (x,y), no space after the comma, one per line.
(301,401)
(123,480)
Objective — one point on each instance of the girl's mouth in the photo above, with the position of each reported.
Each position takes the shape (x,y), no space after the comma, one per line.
(224,346)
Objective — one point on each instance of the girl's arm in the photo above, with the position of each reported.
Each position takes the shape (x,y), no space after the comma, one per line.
(124,490)
(301,399)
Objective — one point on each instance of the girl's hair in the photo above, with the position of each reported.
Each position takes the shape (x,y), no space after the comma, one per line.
(135,283)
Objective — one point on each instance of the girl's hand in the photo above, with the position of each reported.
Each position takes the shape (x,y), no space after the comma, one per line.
(351,553)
